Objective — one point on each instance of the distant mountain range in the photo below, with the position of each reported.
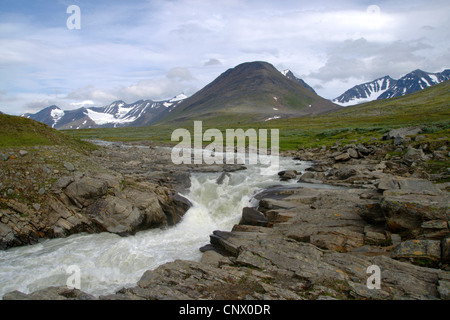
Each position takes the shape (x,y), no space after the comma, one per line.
(254,90)
(117,114)
(251,91)
(386,87)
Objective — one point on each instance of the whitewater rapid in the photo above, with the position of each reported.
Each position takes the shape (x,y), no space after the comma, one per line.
(108,262)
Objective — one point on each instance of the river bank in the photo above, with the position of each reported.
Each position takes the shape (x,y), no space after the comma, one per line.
(300,241)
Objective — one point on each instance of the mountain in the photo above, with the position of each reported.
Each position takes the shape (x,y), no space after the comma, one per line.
(365,92)
(253,91)
(117,114)
(386,87)
(288,74)
(415,81)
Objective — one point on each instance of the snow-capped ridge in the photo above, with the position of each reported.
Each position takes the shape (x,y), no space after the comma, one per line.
(386,87)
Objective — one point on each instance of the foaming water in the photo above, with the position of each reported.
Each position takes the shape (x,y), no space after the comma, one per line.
(108,262)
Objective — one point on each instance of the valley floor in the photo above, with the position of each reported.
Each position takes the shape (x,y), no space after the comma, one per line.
(389,214)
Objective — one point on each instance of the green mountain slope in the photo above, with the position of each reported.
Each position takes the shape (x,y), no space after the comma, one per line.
(24,132)
(252,91)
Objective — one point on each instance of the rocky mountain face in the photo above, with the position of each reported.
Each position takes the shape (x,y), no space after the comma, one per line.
(255,89)
(386,87)
(288,74)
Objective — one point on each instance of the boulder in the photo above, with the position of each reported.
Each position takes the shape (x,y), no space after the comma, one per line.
(414,155)
(402,132)
(372,213)
(353,153)
(407,212)
(116,215)
(253,217)
(341,157)
(287,174)
(86,191)
(345,173)
(397,186)
(427,249)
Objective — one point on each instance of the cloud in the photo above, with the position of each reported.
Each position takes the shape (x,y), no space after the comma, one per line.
(369,60)
(180,74)
(131,50)
(212,62)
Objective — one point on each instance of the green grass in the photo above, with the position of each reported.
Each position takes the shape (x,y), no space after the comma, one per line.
(23,132)
(364,123)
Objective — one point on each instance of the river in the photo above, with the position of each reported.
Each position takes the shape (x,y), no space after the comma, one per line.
(108,262)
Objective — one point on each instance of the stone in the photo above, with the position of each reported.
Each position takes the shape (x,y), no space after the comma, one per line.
(353,153)
(445,243)
(86,190)
(372,213)
(402,132)
(69,166)
(399,185)
(428,249)
(287,174)
(4,157)
(407,212)
(50,293)
(345,173)
(373,235)
(115,215)
(253,217)
(23,153)
(395,239)
(337,239)
(444,289)
(435,224)
(342,157)
(414,155)
(362,150)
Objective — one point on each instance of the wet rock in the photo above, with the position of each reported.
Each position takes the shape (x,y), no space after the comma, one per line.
(51,293)
(115,215)
(287,175)
(253,217)
(312,177)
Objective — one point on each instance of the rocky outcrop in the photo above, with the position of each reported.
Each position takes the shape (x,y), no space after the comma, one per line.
(88,197)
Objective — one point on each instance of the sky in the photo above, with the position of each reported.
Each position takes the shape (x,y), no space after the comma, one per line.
(156,49)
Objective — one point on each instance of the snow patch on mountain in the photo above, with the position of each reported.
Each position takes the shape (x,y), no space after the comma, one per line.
(56,115)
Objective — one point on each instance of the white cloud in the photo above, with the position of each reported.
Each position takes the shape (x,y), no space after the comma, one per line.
(157,49)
